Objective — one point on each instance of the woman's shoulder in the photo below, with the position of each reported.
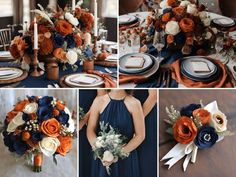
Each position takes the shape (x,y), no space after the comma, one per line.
(132,101)
(101,98)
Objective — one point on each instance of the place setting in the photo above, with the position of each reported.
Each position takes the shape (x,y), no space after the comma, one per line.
(62,45)
(194,48)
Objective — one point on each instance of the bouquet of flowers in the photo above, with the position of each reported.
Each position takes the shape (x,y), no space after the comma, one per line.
(108,146)
(187,25)
(63,34)
(194,127)
(39,126)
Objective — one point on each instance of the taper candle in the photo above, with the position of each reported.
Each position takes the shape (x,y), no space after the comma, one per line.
(95,18)
(73,5)
(35,34)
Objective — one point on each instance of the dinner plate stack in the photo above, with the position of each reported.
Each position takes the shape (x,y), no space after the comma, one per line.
(149,65)
(83,80)
(128,20)
(224,22)
(8,73)
(199,68)
(6,56)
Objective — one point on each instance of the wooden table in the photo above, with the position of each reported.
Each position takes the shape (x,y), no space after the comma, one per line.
(220,160)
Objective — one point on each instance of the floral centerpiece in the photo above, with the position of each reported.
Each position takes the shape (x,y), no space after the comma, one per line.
(62,34)
(39,126)
(187,25)
(194,127)
(108,146)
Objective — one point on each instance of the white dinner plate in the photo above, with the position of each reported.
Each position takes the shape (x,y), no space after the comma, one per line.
(126,19)
(8,73)
(84,80)
(224,22)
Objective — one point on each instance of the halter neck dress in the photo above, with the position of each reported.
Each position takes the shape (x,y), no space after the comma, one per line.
(117,115)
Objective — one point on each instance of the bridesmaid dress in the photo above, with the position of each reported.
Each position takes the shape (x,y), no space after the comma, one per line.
(86,98)
(117,115)
(147,151)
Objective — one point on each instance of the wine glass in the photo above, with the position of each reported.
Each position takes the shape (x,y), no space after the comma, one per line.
(219,45)
(159,42)
(103,34)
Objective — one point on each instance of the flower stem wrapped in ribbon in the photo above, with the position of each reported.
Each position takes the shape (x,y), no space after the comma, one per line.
(194,127)
(39,126)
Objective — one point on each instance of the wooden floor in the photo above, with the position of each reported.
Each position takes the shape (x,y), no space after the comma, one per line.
(220,160)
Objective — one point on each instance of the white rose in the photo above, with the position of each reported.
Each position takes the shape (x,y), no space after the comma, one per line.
(49,145)
(30,108)
(192,9)
(208,35)
(71,19)
(203,15)
(16,122)
(108,156)
(72,57)
(214,30)
(207,22)
(99,143)
(172,27)
(184,3)
(164,5)
(219,121)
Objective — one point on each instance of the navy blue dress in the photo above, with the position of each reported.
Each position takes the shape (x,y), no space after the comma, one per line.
(86,98)
(147,151)
(118,116)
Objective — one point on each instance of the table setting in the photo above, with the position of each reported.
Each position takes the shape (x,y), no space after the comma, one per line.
(61,48)
(193,47)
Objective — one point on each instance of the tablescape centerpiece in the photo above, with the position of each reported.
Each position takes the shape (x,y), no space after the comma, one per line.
(39,126)
(59,35)
(194,127)
(108,146)
(186,25)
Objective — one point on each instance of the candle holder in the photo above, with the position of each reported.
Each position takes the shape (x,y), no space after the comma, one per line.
(95,45)
(35,62)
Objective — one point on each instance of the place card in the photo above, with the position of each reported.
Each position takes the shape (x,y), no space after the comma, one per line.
(134,62)
(200,67)
(84,80)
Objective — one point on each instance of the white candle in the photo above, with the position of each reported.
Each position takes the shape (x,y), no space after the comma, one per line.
(95,18)
(73,5)
(35,34)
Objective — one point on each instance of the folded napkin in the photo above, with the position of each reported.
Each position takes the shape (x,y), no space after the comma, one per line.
(222,81)
(106,63)
(123,79)
(108,82)
(125,27)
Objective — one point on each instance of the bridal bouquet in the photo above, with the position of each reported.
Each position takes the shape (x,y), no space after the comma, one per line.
(187,25)
(194,127)
(39,126)
(109,145)
(62,34)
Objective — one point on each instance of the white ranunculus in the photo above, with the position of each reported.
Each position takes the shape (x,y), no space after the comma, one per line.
(16,122)
(99,143)
(72,57)
(71,19)
(108,156)
(203,15)
(30,108)
(172,27)
(192,9)
(208,35)
(219,121)
(49,145)
(207,22)
(164,5)
(184,3)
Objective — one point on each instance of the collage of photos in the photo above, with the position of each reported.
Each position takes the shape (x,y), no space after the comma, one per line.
(117,88)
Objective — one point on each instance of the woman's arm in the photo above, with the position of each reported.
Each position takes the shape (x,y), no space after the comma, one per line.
(93,121)
(139,127)
(150,102)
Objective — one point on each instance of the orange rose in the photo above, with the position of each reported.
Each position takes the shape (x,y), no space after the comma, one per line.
(185,130)
(172,3)
(64,28)
(43,29)
(187,25)
(60,105)
(60,54)
(87,20)
(14,51)
(203,115)
(51,127)
(166,17)
(189,41)
(170,39)
(46,46)
(78,40)
(11,115)
(21,105)
(178,10)
(65,145)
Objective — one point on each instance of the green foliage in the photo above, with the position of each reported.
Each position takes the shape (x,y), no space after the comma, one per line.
(173,114)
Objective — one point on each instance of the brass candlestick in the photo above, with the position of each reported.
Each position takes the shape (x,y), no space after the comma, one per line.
(35,62)
(95,45)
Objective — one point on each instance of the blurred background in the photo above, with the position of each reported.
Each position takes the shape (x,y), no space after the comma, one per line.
(15,12)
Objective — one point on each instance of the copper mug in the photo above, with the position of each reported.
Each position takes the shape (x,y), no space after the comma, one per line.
(52,70)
